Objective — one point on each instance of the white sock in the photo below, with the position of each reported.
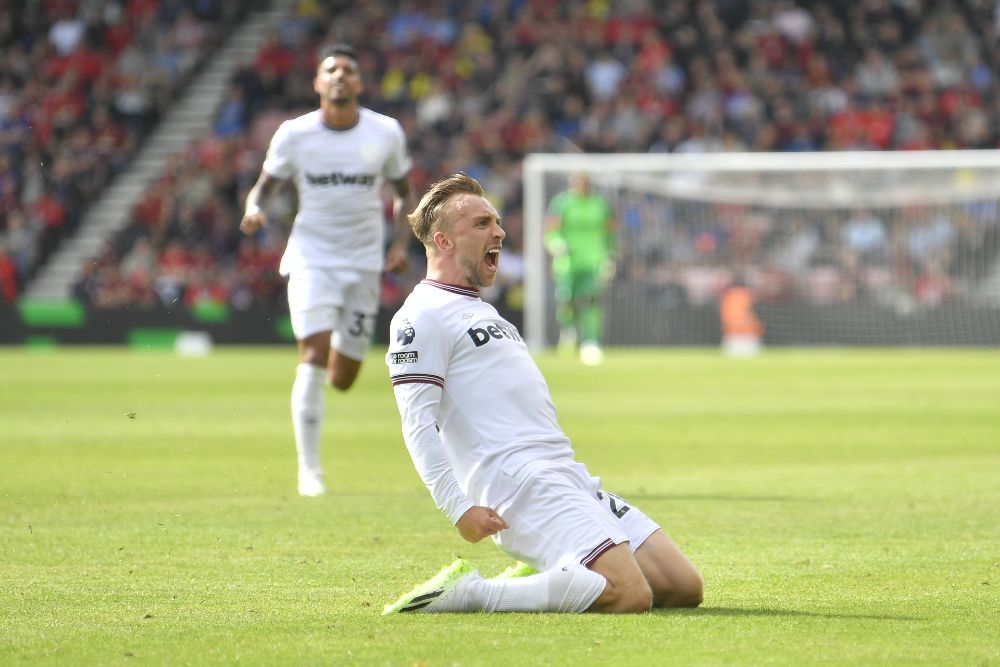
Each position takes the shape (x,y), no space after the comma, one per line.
(570,589)
(307,414)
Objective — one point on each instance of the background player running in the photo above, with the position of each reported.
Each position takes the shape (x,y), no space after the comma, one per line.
(338,157)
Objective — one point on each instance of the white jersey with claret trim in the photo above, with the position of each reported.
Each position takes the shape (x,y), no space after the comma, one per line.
(339,176)
(474,406)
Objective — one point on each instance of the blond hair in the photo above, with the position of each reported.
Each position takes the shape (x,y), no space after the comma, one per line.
(429,215)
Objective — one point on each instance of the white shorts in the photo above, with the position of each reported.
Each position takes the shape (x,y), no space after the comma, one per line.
(559,515)
(343,301)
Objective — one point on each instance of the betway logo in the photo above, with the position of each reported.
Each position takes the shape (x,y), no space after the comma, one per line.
(498,330)
(334,178)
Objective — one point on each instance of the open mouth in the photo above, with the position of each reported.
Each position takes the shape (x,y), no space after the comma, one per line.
(492,258)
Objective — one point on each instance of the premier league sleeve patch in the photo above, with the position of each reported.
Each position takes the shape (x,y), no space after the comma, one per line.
(424,362)
(405,334)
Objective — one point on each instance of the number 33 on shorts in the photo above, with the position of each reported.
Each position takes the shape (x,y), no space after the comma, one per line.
(361,324)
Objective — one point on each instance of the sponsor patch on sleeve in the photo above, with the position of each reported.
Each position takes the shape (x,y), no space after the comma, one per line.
(408,357)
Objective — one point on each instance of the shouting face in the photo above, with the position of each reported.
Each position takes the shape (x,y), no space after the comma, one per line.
(470,241)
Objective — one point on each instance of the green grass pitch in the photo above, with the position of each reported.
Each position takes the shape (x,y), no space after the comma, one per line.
(843,507)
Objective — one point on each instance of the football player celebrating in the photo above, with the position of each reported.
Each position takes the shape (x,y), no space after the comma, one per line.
(480,426)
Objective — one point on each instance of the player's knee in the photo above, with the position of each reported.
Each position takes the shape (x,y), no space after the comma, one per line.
(691,592)
(341,381)
(342,372)
(624,597)
(311,352)
(684,590)
(635,599)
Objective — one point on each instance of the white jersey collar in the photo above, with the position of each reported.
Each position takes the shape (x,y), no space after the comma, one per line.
(456,289)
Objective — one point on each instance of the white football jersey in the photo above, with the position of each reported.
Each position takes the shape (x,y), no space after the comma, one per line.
(339,176)
(474,406)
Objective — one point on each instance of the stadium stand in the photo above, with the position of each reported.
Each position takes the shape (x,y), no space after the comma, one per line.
(477,85)
(81,85)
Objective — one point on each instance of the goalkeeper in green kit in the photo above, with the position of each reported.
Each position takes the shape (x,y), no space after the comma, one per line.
(581,236)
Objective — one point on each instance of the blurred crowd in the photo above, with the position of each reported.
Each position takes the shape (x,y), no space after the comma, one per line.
(903,258)
(81,83)
(477,84)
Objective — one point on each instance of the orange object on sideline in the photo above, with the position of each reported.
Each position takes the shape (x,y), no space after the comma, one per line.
(737,313)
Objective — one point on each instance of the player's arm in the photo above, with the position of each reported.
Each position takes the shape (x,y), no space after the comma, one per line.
(611,228)
(418,359)
(254,217)
(606,241)
(418,403)
(553,239)
(403,202)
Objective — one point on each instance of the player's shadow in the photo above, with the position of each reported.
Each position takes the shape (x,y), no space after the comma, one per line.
(791,613)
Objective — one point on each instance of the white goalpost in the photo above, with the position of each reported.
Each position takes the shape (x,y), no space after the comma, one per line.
(838,248)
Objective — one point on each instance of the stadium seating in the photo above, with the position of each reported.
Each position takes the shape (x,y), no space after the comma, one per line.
(81,84)
(479,87)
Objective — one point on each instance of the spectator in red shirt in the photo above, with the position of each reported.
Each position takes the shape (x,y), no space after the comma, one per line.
(8,277)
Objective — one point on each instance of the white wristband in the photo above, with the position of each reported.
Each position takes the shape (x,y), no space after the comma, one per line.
(253,210)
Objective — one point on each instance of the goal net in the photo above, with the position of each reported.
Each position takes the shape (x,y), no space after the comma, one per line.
(850,248)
